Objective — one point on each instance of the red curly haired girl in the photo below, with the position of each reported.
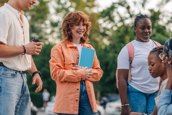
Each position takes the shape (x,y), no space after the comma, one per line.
(74,92)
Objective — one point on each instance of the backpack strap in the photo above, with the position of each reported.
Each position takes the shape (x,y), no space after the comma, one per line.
(130,51)
(131,57)
(157,44)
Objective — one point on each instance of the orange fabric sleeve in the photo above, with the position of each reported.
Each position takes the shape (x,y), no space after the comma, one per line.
(58,71)
(98,72)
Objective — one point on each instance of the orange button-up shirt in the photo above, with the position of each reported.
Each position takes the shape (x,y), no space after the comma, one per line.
(63,57)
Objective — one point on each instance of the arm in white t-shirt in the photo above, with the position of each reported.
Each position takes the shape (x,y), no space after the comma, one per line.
(123,59)
(123,67)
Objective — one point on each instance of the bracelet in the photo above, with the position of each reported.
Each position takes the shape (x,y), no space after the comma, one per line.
(24,50)
(124,105)
(35,73)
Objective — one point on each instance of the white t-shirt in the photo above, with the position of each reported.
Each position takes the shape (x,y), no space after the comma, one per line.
(79,49)
(45,96)
(140,76)
(11,34)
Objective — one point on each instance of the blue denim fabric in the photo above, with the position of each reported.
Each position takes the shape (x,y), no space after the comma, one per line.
(14,93)
(141,102)
(84,104)
(165,105)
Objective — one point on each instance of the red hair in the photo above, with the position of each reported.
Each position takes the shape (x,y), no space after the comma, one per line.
(72,18)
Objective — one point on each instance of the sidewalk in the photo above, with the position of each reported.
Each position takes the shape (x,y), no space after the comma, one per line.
(41,112)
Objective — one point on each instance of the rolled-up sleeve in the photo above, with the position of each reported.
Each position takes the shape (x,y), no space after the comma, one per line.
(58,71)
(4,27)
(165,106)
(98,72)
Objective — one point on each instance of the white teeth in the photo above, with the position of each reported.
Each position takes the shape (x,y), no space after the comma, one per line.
(79,32)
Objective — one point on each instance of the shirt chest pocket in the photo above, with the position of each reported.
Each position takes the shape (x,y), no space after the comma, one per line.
(70,62)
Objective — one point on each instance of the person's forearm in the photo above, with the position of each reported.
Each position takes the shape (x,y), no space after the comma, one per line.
(33,67)
(123,91)
(10,51)
(155,111)
(62,75)
(124,98)
(98,72)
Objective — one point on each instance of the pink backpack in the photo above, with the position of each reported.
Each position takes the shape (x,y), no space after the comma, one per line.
(131,57)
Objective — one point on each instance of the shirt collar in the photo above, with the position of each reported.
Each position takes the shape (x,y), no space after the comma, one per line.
(16,12)
(70,44)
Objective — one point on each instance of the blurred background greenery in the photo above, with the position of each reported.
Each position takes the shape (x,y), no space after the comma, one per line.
(110,31)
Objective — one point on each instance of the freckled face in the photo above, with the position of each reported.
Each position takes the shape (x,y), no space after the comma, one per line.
(78,30)
(143,30)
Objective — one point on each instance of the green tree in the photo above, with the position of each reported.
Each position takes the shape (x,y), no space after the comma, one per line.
(42,64)
(37,17)
(119,32)
(86,6)
(2,2)
(110,31)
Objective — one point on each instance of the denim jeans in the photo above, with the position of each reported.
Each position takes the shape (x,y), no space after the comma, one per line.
(141,102)
(84,104)
(14,93)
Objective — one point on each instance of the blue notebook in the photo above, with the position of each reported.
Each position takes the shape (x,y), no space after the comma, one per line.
(87,57)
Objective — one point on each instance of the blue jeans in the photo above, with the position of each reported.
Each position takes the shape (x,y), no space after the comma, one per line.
(141,102)
(84,104)
(14,93)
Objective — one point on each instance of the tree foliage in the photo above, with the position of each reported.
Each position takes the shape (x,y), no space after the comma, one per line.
(111,30)
(120,32)
(2,2)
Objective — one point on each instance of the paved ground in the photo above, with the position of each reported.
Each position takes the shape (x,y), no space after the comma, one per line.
(40,112)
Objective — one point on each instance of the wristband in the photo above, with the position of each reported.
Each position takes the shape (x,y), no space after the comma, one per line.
(35,73)
(24,50)
(124,105)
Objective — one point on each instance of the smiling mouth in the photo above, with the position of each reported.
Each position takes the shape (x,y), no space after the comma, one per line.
(81,32)
(146,35)
(151,73)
